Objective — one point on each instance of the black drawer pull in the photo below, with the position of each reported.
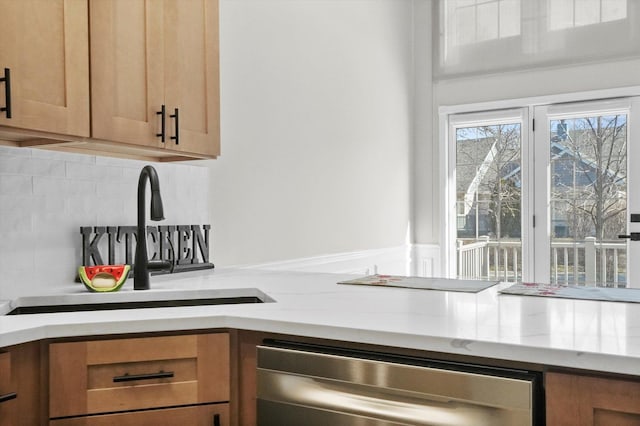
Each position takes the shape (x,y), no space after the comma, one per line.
(151,376)
(8,397)
(216,420)
(163,119)
(7,92)
(177,136)
(633,236)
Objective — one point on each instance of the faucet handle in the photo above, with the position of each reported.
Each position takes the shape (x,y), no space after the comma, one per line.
(160,265)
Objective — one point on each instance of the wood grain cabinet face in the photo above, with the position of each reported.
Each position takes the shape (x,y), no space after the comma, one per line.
(109,376)
(202,415)
(20,390)
(150,53)
(45,45)
(7,392)
(574,400)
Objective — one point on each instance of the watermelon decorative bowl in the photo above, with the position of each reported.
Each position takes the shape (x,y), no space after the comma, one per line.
(104,278)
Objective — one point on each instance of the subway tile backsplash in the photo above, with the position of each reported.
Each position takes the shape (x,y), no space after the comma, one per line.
(46,196)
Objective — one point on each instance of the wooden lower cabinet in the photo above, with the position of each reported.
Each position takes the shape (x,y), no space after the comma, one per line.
(157,380)
(577,400)
(8,392)
(202,415)
(20,392)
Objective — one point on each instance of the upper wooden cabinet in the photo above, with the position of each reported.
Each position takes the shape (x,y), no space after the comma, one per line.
(45,48)
(126,59)
(150,54)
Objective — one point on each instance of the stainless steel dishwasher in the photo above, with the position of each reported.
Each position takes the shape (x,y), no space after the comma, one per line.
(309,385)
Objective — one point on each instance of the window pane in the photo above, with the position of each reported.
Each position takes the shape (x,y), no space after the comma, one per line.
(488,195)
(612,10)
(465,25)
(588,204)
(560,14)
(587,13)
(487,21)
(484,36)
(509,18)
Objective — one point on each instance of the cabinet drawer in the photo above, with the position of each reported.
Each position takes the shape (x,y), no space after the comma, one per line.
(202,415)
(102,376)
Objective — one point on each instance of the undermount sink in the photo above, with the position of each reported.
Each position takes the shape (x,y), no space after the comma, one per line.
(133,300)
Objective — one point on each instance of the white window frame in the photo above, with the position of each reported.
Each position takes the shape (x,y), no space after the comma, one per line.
(447,172)
(506,116)
(543,161)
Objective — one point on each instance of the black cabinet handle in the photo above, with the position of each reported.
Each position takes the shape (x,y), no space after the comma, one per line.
(163,120)
(133,377)
(7,92)
(633,236)
(216,420)
(177,136)
(8,397)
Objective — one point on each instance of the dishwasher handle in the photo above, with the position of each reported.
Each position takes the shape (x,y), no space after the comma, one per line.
(310,396)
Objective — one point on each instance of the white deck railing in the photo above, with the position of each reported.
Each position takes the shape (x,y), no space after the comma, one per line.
(582,262)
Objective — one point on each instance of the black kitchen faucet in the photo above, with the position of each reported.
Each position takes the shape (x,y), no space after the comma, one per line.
(142,264)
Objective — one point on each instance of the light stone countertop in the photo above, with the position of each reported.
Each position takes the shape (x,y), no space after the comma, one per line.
(591,335)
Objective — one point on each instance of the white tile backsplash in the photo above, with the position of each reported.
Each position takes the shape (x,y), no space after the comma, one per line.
(29,202)
(16,252)
(14,222)
(75,170)
(31,166)
(13,152)
(61,186)
(46,196)
(60,155)
(15,184)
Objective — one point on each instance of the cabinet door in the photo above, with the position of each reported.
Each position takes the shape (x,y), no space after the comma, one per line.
(8,393)
(192,75)
(45,45)
(585,401)
(26,375)
(127,77)
(150,53)
(203,415)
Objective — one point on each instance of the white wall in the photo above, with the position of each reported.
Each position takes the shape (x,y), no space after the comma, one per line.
(316,128)
(425,185)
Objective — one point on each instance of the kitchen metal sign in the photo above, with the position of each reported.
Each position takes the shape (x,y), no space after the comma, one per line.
(186,246)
